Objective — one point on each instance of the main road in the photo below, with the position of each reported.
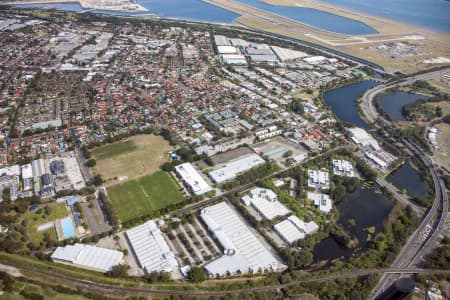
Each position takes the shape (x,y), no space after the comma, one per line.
(401,198)
(191,207)
(367,104)
(426,238)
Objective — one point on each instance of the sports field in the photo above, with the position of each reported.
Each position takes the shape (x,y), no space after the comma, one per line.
(143,195)
(136,156)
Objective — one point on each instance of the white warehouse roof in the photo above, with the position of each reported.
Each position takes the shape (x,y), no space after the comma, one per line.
(238,59)
(243,251)
(360,136)
(293,229)
(288,54)
(314,59)
(221,40)
(87,256)
(38,167)
(192,178)
(152,251)
(27,171)
(235,167)
(227,50)
(266,202)
(11,171)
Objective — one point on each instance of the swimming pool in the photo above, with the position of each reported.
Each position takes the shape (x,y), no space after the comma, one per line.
(68,228)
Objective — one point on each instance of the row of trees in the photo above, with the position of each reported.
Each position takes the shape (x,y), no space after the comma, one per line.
(252,175)
(108,208)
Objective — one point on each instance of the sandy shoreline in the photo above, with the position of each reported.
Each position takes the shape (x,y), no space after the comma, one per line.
(88,4)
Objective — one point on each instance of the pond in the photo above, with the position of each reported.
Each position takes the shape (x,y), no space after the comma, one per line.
(410,179)
(342,101)
(367,209)
(393,103)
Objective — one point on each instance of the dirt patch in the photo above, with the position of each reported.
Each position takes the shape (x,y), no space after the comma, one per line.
(131,158)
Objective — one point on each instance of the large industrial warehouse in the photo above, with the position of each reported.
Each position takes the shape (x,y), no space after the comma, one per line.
(243,252)
(150,248)
(236,167)
(192,179)
(88,257)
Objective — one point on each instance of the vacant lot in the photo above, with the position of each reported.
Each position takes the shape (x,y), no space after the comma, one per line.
(144,195)
(445,106)
(136,156)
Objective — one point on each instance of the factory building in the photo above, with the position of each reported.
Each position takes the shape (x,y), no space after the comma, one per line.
(150,248)
(243,251)
(361,137)
(236,167)
(88,257)
(192,179)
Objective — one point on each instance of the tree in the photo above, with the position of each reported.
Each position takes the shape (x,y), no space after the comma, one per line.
(98,180)
(339,193)
(297,107)
(209,161)
(48,210)
(438,111)
(288,153)
(196,274)
(91,163)
(118,271)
